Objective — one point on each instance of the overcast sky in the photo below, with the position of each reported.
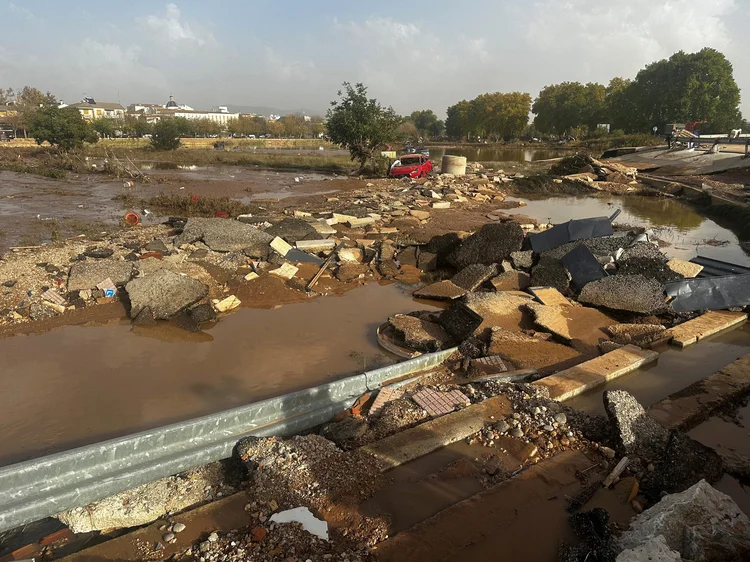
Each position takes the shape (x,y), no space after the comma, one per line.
(292,54)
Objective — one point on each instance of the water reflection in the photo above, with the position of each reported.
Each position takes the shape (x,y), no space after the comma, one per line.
(495,153)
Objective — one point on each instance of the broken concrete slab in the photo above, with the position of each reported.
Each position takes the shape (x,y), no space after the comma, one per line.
(632,293)
(408,256)
(427,261)
(522,259)
(281,246)
(472,276)
(443,245)
(226,304)
(498,309)
(345,430)
(700,523)
(490,244)
(165,292)
(637,334)
(419,334)
(706,325)
(652,550)
(550,272)
(357,222)
(286,271)
(685,268)
(511,281)
(581,327)
(637,433)
(459,321)
(222,235)
(526,352)
(349,271)
(594,372)
(322,228)
(549,296)
(292,230)
(442,290)
(650,267)
(88,274)
(421,215)
(354,255)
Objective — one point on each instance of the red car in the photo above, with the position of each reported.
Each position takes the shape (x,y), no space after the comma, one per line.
(411,165)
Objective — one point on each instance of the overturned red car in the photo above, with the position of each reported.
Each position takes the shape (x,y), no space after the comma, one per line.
(411,165)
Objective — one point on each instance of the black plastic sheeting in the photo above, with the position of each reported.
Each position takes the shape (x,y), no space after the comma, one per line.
(582,266)
(709,293)
(595,227)
(716,268)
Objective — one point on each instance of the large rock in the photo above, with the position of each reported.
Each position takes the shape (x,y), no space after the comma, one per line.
(293,230)
(471,277)
(442,245)
(89,274)
(490,244)
(223,235)
(459,321)
(165,292)
(419,334)
(701,523)
(632,293)
(637,432)
(550,272)
(653,550)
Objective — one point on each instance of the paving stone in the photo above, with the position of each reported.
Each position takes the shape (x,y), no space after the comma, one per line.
(491,365)
(442,290)
(437,403)
(385,395)
(684,268)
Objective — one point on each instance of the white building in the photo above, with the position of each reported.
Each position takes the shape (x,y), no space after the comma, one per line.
(155,112)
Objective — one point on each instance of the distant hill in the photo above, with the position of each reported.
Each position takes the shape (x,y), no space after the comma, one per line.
(262,110)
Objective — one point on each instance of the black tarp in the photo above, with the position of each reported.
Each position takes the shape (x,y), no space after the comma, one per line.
(709,293)
(595,227)
(582,266)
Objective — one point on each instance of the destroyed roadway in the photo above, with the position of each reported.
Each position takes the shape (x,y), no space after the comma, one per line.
(550,317)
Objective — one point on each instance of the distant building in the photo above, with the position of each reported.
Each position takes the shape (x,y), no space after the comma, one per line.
(91,109)
(155,112)
(7,111)
(145,108)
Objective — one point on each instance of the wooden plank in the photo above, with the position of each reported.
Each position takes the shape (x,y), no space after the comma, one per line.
(690,406)
(706,325)
(427,437)
(549,296)
(572,382)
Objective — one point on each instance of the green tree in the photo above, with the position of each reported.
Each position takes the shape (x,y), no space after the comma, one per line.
(457,125)
(687,87)
(408,130)
(136,126)
(64,128)
(206,127)
(359,123)
(28,100)
(427,123)
(294,126)
(104,126)
(561,107)
(619,107)
(166,133)
(500,115)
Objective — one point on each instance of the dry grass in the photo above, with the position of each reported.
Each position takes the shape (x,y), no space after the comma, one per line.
(186,206)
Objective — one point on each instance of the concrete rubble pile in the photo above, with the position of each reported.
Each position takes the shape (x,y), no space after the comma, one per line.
(595,174)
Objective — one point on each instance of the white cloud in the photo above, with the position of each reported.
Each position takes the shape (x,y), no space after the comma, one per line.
(177,33)
(20,11)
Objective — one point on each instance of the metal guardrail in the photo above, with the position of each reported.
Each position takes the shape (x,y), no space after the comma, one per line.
(43,487)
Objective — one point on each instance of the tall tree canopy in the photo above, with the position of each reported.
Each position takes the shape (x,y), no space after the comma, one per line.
(497,116)
(457,125)
(427,123)
(563,107)
(360,123)
(64,128)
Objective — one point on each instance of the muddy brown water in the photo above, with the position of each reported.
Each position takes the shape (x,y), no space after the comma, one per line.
(80,384)
(494,153)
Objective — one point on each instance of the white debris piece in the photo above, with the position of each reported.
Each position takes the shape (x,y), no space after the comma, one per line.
(303,516)
(286,271)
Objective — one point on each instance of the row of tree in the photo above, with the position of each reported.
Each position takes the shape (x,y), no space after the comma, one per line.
(495,116)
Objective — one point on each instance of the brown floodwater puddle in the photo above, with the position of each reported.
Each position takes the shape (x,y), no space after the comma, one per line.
(77,385)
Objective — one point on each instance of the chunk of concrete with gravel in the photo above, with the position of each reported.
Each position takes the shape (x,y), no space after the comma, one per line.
(223,235)
(492,243)
(632,293)
(165,292)
(89,274)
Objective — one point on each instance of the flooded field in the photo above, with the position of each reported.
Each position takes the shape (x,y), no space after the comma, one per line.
(81,384)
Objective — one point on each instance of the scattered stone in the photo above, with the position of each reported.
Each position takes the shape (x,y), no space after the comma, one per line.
(701,524)
(684,268)
(512,281)
(286,271)
(178,527)
(524,259)
(345,430)
(516,432)
(166,293)
(408,256)
(459,321)
(40,312)
(607,452)
(427,261)
(222,235)
(419,334)
(633,293)
(258,534)
(502,426)
(144,318)
(561,418)
(225,305)
(637,433)
(655,549)
(471,277)
(156,246)
(292,230)
(349,271)
(442,290)
(98,253)
(490,244)
(168,537)
(213,537)
(10,283)
(421,215)
(87,275)
(388,269)
(199,254)
(351,255)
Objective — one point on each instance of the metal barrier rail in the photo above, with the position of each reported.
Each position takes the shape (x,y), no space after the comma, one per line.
(43,487)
